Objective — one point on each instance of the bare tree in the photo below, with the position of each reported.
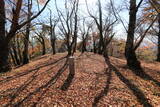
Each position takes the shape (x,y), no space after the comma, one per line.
(53,23)
(69,23)
(26,39)
(41,39)
(105,28)
(132,46)
(85,28)
(5,38)
(156,5)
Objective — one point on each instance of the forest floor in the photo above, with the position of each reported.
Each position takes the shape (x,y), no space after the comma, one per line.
(40,82)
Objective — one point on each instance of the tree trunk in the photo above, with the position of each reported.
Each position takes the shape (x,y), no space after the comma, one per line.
(12,56)
(84,46)
(4,61)
(158,53)
(71,74)
(100,45)
(26,41)
(15,54)
(69,50)
(53,46)
(53,41)
(130,54)
(100,27)
(19,50)
(94,47)
(69,45)
(75,46)
(4,46)
(25,52)
(43,47)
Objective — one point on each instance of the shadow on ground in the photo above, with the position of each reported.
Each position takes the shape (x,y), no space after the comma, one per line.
(141,98)
(14,93)
(29,71)
(142,74)
(104,92)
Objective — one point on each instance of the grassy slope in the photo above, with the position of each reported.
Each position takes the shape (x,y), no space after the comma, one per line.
(39,84)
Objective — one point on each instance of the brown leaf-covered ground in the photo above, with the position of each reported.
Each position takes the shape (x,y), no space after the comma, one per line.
(39,83)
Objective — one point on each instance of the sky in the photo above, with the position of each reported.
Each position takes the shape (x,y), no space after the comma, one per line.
(120,32)
(119,29)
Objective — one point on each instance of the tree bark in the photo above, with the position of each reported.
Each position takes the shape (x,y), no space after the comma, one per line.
(53,40)
(26,40)
(94,47)
(69,50)
(25,52)
(19,50)
(4,61)
(15,54)
(130,54)
(84,45)
(100,27)
(6,38)
(158,51)
(4,52)
(12,56)
(69,45)
(43,46)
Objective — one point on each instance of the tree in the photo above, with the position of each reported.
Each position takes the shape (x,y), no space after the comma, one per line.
(158,51)
(15,53)
(53,38)
(41,39)
(105,31)
(85,28)
(156,6)
(26,39)
(130,54)
(69,24)
(5,38)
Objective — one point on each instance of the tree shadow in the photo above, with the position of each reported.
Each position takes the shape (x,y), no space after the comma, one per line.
(29,71)
(105,91)
(142,74)
(35,74)
(18,90)
(136,91)
(21,88)
(68,81)
(42,88)
(70,77)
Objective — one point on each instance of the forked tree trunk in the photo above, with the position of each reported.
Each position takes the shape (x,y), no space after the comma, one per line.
(130,54)
(158,53)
